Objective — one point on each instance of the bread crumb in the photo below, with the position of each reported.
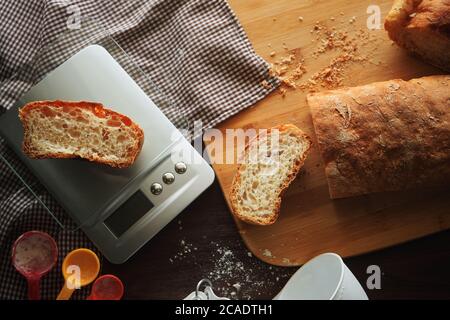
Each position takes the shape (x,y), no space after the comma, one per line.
(267,253)
(288,69)
(345,46)
(266,85)
(300,19)
(272,54)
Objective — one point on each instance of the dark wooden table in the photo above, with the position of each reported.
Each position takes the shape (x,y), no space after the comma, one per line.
(204,242)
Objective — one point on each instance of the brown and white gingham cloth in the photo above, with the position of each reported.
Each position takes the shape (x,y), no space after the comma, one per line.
(195,51)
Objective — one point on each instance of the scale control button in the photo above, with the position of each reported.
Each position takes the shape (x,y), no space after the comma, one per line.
(180,168)
(168,178)
(156,189)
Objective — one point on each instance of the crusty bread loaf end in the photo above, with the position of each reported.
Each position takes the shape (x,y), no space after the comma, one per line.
(423,28)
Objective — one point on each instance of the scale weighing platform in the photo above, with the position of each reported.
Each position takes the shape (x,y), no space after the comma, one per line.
(118,209)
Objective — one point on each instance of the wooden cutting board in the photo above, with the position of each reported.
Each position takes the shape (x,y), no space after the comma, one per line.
(310,223)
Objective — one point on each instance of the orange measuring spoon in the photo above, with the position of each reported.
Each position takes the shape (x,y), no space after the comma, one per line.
(80,268)
(107,287)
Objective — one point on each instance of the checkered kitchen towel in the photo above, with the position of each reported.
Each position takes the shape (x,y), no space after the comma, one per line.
(194,50)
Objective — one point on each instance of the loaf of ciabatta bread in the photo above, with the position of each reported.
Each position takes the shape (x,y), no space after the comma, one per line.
(384,136)
(270,163)
(63,129)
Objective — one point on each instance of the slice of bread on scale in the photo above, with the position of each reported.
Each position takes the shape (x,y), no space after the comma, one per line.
(265,173)
(62,129)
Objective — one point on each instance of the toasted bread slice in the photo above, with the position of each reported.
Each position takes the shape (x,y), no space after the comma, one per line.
(266,172)
(60,129)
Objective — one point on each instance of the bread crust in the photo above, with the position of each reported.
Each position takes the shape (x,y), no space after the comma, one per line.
(423,28)
(385,136)
(270,219)
(96,109)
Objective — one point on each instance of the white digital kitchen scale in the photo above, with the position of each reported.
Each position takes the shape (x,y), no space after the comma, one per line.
(118,209)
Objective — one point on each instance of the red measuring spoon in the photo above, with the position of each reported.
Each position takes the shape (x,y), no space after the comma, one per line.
(107,287)
(34,254)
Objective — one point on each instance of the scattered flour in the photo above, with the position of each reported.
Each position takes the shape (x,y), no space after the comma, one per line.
(233,277)
(228,269)
(185,250)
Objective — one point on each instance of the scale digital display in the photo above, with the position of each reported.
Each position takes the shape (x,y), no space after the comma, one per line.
(128,214)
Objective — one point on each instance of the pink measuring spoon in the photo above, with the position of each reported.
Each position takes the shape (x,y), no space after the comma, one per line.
(107,287)
(34,254)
